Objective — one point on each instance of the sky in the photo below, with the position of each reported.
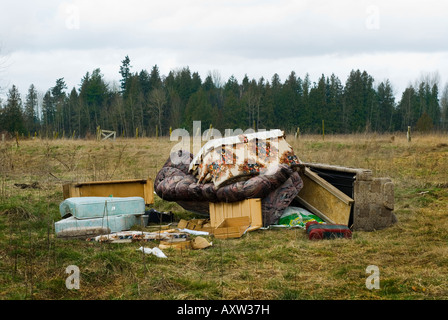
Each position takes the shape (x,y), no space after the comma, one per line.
(44,40)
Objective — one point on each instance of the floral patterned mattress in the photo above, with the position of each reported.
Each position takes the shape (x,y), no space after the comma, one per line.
(227,160)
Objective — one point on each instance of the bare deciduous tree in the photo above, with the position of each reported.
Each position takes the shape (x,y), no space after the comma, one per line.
(444,107)
(157,102)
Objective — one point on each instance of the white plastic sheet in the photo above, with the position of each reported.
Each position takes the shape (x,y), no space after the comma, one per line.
(155,251)
(195,232)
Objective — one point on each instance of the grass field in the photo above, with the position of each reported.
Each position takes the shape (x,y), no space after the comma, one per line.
(411,256)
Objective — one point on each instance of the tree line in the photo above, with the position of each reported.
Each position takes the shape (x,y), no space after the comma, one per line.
(150,104)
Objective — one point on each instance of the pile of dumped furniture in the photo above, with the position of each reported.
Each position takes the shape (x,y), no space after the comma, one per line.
(262,165)
(239,184)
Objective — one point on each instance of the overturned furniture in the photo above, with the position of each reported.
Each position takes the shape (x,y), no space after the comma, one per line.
(117,188)
(259,165)
(348,196)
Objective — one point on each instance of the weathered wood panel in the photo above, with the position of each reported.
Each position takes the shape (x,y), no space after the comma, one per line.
(250,207)
(323,199)
(116,188)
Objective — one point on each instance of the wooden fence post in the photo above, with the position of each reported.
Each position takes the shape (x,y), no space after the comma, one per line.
(323,130)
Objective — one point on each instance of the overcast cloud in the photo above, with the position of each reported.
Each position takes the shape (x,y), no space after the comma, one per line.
(41,41)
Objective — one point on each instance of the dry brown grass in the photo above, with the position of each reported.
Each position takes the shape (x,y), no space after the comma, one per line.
(267,264)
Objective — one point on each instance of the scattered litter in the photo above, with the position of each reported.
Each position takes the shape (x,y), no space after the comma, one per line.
(82,233)
(196,225)
(155,251)
(181,245)
(296,217)
(134,236)
(200,243)
(194,232)
(34,185)
(232,228)
(317,231)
